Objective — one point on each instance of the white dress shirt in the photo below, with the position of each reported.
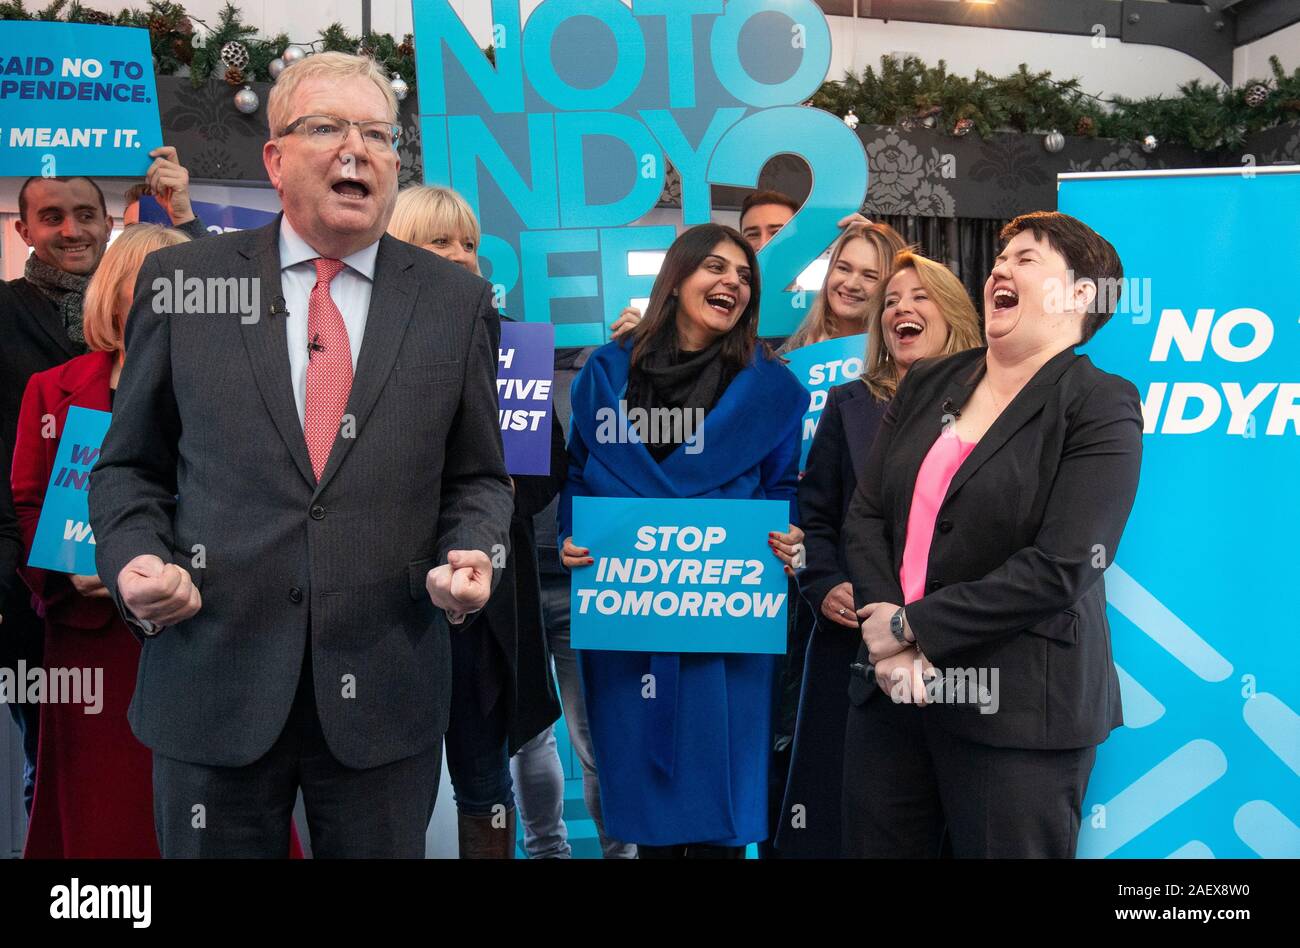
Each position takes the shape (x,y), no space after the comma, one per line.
(350,291)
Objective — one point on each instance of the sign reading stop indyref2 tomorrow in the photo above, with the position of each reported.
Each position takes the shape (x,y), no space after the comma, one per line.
(76,99)
(564,143)
(664,565)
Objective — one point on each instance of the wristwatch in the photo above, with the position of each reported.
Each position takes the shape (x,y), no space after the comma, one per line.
(896,626)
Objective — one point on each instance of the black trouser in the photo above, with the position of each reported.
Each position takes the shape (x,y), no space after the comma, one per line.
(247,811)
(22,638)
(907,780)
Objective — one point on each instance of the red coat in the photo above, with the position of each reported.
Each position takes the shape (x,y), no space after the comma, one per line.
(94,780)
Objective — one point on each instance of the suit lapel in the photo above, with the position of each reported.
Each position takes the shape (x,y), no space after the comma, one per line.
(268,346)
(390,310)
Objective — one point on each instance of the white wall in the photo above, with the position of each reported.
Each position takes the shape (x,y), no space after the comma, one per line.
(1251,61)
(1117,68)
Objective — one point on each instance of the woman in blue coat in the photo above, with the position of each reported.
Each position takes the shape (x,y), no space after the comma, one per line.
(685,774)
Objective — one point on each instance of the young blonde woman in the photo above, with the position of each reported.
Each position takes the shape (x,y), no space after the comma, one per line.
(920,310)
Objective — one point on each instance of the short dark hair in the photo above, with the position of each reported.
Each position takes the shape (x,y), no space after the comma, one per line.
(22,192)
(1089,256)
(134,193)
(759,198)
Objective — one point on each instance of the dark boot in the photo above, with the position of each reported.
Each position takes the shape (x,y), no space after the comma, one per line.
(480,839)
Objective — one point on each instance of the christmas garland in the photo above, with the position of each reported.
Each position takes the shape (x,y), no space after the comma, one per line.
(903,92)
(907,92)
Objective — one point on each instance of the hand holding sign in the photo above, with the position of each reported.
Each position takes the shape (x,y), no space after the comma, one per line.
(788,548)
(461,585)
(573,556)
(158,592)
(91,586)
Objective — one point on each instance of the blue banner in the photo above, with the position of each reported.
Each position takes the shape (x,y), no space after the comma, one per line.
(819,367)
(564,143)
(76,100)
(63,541)
(217,218)
(525,367)
(1206,631)
(679,575)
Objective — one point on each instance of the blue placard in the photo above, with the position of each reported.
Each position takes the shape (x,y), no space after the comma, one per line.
(563,143)
(76,99)
(1206,631)
(63,540)
(217,218)
(819,367)
(525,368)
(679,576)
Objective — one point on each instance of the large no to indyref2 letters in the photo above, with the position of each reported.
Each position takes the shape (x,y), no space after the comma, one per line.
(564,143)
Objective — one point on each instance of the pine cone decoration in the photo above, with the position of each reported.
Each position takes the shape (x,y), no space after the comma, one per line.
(1257,95)
(96,17)
(158,27)
(1085,125)
(406,47)
(184,26)
(234,76)
(183,50)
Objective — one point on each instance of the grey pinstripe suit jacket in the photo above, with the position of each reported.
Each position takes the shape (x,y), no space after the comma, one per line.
(206,455)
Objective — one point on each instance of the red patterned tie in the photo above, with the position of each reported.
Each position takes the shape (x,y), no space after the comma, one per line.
(329,366)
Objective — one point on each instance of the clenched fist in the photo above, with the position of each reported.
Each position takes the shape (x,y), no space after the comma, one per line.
(158,592)
(461,585)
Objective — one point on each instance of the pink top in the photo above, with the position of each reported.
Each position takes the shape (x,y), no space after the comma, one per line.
(932,480)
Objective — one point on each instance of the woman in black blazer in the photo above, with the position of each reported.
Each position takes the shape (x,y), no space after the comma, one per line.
(993,499)
(921,309)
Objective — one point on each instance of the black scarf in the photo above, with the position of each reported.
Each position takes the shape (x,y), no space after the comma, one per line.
(669,378)
(67,291)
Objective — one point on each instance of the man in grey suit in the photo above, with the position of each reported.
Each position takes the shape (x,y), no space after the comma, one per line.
(294,502)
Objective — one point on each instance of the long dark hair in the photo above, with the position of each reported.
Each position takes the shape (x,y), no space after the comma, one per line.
(658,327)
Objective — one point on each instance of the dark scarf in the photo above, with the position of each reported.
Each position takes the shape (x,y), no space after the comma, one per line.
(65,290)
(668,377)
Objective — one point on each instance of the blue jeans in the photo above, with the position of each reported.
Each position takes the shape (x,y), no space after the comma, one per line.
(537,780)
(478,759)
(539,775)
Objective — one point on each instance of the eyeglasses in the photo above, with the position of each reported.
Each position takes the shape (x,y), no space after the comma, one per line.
(330,130)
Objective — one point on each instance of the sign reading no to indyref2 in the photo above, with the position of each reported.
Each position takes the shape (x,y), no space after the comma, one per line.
(679,575)
(76,99)
(563,144)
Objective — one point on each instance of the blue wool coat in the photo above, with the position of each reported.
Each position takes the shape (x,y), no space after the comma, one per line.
(691,765)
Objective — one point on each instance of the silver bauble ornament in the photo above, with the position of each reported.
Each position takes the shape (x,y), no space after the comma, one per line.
(400,88)
(246,100)
(1054,141)
(275,67)
(292,54)
(1150,144)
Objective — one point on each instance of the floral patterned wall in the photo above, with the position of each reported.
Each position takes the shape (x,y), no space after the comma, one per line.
(915,172)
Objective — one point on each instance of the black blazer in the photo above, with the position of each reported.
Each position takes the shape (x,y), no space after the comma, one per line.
(11,546)
(1029,523)
(837,458)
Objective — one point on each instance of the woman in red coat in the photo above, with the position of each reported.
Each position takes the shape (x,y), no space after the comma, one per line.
(94,780)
